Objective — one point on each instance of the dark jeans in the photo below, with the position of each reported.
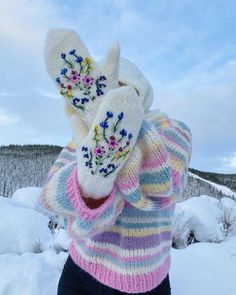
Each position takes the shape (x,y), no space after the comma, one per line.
(76,281)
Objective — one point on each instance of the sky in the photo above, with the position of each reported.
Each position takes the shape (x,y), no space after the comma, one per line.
(186,49)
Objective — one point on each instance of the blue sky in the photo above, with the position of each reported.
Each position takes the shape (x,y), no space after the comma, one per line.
(187,50)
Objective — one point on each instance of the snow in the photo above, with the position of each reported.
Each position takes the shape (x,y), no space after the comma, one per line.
(27,196)
(22,228)
(212,200)
(224,189)
(31,273)
(206,221)
(206,268)
(228,206)
(181,227)
(62,241)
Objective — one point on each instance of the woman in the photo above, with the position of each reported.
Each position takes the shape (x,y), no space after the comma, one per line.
(117,182)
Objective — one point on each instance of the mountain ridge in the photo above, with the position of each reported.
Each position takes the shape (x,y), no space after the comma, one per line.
(28,165)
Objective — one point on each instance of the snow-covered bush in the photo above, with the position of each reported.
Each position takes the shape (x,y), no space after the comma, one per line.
(21,228)
(27,196)
(228,206)
(206,218)
(61,241)
(38,247)
(181,228)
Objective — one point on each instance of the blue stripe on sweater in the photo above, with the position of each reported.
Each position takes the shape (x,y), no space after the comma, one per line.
(143,225)
(160,177)
(129,264)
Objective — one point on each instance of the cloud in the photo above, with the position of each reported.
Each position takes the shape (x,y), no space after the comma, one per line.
(46,93)
(206,102)
(232,161)
(24,22)
(186,51)
(10,94)
(33,118)
(7,118)
(227,164)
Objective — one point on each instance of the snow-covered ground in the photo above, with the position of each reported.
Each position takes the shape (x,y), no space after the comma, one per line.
(204,268)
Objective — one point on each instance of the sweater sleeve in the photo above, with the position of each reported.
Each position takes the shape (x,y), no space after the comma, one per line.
(61,194)
(176,138)
(157,170)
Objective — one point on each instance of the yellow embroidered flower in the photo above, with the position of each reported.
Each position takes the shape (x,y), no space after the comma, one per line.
(122,154)
(69,93)
(87,60)
(96,133)
(117,155)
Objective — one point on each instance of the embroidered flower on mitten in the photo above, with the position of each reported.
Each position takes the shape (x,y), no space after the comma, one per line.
(111,144)
(76,82)
(105,147)
(82,81)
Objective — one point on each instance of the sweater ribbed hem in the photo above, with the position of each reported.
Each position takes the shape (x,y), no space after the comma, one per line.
(124,283)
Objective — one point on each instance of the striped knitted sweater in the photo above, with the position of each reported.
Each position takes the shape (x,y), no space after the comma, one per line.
(125,243)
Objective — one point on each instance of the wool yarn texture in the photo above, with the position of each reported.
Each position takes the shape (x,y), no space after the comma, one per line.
(107,146)
(81,81)
(125,242)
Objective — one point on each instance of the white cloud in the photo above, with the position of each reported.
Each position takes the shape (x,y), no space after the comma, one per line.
(7,118)
(232,162)
(130,20)
(53,95)
(206,101)
(24,23)
(227,164)
(192,79)
(10,94)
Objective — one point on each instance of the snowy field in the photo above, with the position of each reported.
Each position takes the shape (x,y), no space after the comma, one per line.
(32,256)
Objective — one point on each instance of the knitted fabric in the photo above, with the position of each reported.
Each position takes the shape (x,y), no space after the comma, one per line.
(130,74)
(80,80)
(125,243)
(102,153)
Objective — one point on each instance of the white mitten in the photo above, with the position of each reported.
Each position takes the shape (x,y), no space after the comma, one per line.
(103,150)
(81,81)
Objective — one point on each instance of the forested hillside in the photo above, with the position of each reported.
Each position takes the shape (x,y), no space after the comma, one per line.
(28,165)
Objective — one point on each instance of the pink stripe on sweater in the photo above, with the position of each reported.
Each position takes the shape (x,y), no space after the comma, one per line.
(176,177)
(124,283)
(73,191)
(176,143)
(131,184)
(94,230)
(155,161)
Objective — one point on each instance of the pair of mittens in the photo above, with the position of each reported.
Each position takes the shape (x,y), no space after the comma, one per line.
(105,119)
